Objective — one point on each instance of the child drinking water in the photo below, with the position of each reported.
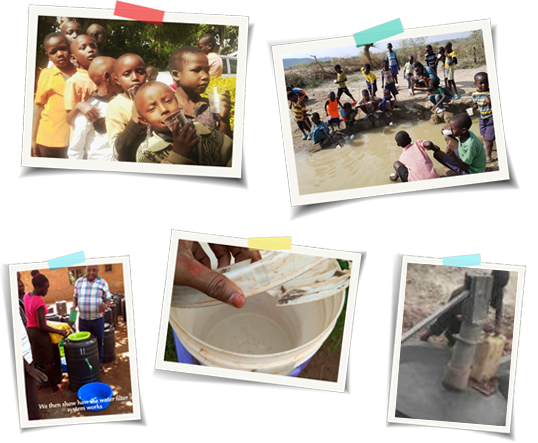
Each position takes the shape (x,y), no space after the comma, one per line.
(414,163)
(50,130)
(482,102)
(192,144)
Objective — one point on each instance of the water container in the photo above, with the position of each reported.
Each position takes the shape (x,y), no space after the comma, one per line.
(52,317)
(487,357)
(61,307)
(118,299)
(109,316)
(64,318)
(109,340)
(82,358)
(123,311)
(114,307)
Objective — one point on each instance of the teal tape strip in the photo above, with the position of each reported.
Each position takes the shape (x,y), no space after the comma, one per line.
(462,261)
(67,260)
(377,33)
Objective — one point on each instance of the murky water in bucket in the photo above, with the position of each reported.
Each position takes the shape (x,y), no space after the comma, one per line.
(366,160)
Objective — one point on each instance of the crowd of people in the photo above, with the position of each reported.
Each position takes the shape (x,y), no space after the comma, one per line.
(94,107)
(464,153)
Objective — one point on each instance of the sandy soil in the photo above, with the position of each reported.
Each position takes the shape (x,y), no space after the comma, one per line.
(410,107)
(116,374)
(428,287)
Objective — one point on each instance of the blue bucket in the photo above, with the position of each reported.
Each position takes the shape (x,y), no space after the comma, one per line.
(95,396)
(183,356)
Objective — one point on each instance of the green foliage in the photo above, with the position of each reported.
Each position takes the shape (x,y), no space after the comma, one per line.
(412,46)
(229,83)
(170,347)
(471,52)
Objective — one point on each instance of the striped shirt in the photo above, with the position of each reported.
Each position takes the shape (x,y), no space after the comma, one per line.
(430,59)
(480,99)
(388,76)
(299,109)
(90,295)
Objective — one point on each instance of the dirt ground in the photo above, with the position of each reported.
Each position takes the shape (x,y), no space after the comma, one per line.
(410,107)
(428,287)
(116,374)
(325,363)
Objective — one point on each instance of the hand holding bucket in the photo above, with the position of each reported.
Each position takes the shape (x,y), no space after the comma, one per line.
(219,101)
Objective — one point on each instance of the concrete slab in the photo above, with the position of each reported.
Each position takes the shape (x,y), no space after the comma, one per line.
(421,394)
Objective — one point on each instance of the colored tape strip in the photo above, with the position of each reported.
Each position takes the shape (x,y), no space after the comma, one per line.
(462,261)
(269,243)
(377,33)
(140,13)
(66,260)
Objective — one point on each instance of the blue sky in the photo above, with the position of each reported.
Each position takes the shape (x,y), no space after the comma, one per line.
(352,51)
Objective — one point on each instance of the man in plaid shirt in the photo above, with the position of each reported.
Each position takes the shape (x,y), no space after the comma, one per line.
(92,296)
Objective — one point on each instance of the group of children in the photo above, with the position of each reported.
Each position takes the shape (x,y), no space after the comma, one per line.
(465,153)
(90,106)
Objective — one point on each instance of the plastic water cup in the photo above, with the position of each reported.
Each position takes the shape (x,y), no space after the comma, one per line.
(470,111)
(216,104)
(131,92)
(447,132)
(176,116)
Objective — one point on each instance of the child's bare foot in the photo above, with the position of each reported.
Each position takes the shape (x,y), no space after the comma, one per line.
(425,336)
(55,391)
(489,159)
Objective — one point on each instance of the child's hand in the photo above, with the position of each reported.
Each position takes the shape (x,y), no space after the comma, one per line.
(444,128)
(428,145)
(184,140)
(135,116)
(91,112)
(450,151)
(33,149)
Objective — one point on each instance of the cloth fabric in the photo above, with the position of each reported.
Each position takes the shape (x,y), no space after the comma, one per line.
(215,64)
(392,58)
(369,108)
(342,91)
(418,163)
(408,69)
(394,70)
(202,114)
(26,347)
(97,328)
(341,78)
(118,114)
(403,172)
(53,128)
(392,88)
(473,153)
(319,132)
(436,98)
(370,77)
(479,98)
(372,87)
(383,104)
(90,295)
(334,121)
(347,116)
(299,109)
(487,129)
(431,59)
(429,72)
(22,312)
(388,76)
(449,74)
(78,88)
(90,140)
(450,163)
(42,353)
(302,125)
(332,108)
(409,79)
(213,149)
(31,304)
(300,93)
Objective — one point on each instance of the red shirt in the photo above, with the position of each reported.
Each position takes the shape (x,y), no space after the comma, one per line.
(417,162)
(31,304)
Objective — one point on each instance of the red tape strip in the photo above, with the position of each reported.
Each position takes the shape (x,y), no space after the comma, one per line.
(140,13)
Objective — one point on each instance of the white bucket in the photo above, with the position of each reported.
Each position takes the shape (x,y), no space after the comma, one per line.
(260,337)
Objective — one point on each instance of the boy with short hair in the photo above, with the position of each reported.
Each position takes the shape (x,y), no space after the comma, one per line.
(387,80)
(414,163)
(439,96)
(387,106)
(331,109)
(482,102)
(189,67)
(393,62)
(50,130)
(299,110)
(152,73)
(126,131)
(89,140)
(320,131)
(208,45)
(408,72)
(371,82)
(99,34)
(80,86)
(369,104)
(450,62)
(341,79)
(348,115)
(431,57)
(71,29)
(192,144)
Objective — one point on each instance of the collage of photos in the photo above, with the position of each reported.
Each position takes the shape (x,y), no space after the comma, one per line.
(414,108)
(97,98)
(229,309)
(456,345)
(76,344)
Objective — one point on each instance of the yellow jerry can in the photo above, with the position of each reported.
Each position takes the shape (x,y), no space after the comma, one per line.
(487,357)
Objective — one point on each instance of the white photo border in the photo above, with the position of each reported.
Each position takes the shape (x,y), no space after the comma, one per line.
(298,199)
(391,416)
(23,411)
(169,17)
(338,386)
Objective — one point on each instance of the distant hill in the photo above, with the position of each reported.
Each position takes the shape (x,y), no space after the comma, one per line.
(290,62)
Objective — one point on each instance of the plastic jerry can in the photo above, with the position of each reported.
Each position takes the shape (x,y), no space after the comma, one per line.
(487,357)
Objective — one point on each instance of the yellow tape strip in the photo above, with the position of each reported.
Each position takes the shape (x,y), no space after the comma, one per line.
(269,243)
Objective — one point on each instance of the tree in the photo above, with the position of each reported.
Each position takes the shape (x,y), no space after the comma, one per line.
(367,53)
(414,47)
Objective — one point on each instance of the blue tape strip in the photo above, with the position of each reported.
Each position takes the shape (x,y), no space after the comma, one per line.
(66,260)
(377,33)
(462,261)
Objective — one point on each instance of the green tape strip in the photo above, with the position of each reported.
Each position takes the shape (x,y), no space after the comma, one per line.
(462,261)
(66,260)
(377,33)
